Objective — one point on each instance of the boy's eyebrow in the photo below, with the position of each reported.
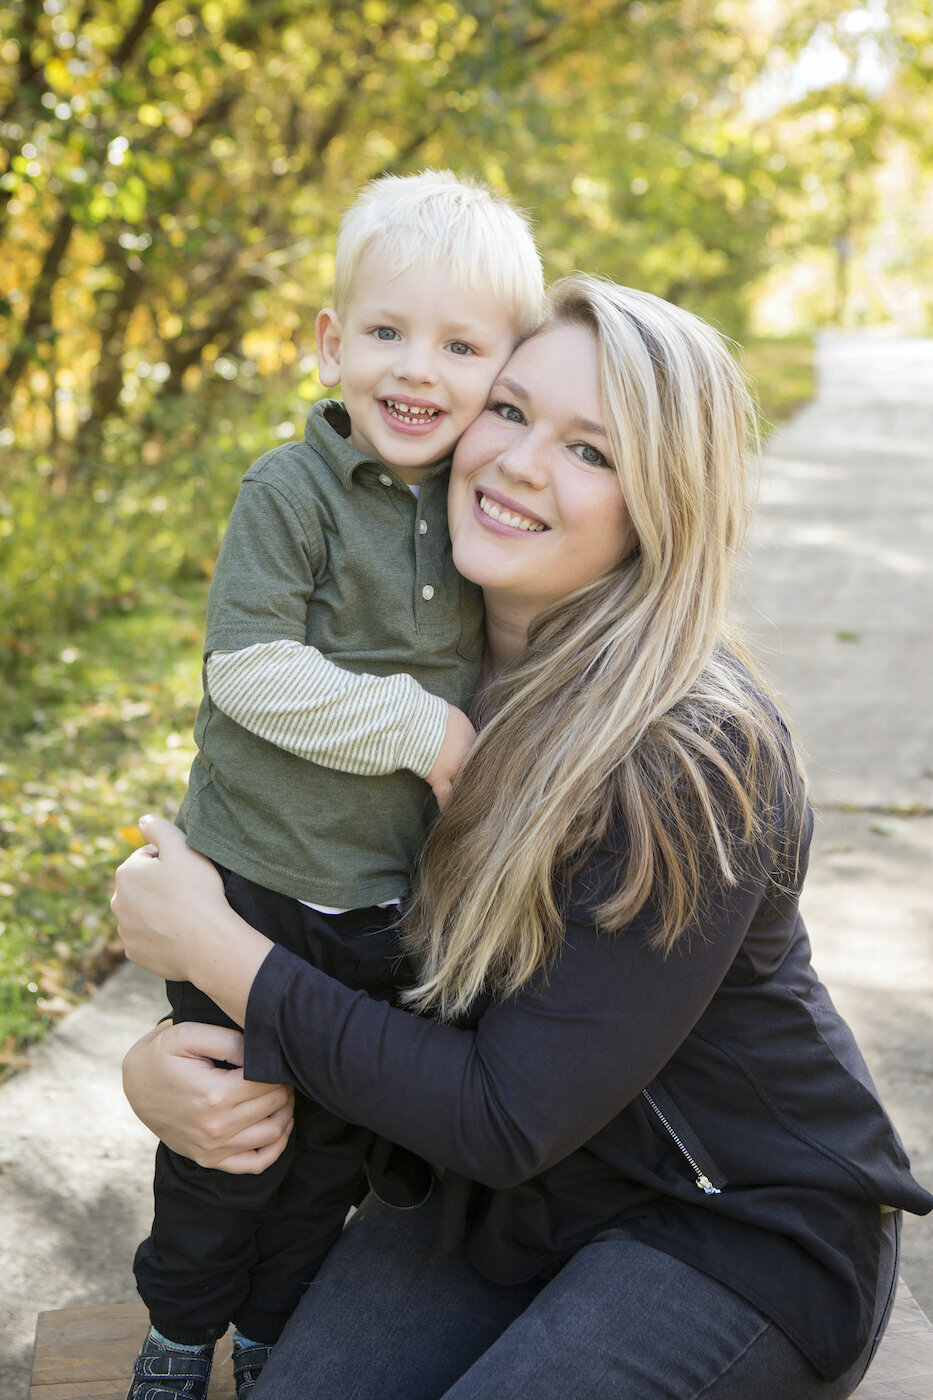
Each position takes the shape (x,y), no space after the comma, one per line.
(582,425)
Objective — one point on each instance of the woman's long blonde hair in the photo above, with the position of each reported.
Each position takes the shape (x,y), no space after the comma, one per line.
(631,710)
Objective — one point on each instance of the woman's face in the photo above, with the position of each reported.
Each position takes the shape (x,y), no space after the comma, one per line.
(535,504)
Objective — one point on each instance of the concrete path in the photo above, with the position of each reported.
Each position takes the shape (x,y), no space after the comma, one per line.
(838,600)
(837,596)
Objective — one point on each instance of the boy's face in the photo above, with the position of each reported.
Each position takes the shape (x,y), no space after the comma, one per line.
(416,356)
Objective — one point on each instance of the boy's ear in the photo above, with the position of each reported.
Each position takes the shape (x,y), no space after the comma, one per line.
(328,334)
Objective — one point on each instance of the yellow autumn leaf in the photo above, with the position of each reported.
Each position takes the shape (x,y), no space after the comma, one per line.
(131,835)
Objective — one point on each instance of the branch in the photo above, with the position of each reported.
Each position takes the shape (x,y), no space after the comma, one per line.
(28,66)
(137,29)
(334,118)
(221,329)
(108,380)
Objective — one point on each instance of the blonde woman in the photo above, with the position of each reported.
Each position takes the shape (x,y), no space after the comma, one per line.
(663,1170)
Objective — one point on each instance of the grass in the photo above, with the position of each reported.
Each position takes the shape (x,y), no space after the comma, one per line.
(98,731)
(781,369)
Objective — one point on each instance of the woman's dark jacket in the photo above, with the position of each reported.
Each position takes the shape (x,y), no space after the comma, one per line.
(558,1113)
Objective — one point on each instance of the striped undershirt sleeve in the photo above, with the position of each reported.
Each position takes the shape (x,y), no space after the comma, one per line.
(292,696)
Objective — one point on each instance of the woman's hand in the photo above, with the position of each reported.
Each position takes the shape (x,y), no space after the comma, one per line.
(212,1115)
(163,892)
(175,921)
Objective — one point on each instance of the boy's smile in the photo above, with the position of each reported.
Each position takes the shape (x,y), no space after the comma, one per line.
(416,417)
(415,355)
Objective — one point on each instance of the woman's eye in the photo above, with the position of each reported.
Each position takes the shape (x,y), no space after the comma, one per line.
(460,347)
(590,454)
(385,333)
(508,411)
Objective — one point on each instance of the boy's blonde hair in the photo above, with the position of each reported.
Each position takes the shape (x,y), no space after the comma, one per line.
(437,219)
(633,715)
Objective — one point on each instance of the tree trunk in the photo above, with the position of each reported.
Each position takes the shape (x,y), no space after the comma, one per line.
(40,310)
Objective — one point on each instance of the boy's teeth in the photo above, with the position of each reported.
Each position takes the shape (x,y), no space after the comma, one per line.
(406,410)
(518,522)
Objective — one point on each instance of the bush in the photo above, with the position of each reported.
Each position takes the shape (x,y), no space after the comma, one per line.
(79,537)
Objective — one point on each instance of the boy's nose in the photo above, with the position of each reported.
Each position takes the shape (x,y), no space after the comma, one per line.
(417,365)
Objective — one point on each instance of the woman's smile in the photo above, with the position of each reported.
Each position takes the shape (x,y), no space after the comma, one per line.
(504,515)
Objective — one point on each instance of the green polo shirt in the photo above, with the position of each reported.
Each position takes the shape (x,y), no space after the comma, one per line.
(328,547)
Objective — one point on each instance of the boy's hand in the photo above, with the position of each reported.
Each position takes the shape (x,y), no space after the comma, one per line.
(459,737)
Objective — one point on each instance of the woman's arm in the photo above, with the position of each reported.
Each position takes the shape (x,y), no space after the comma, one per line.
(540,1074)
(213,1115)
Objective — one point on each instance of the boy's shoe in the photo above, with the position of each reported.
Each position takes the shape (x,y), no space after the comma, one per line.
(164,1372)
(247,1363)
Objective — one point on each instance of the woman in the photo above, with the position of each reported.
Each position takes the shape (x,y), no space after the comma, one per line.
(665,1170)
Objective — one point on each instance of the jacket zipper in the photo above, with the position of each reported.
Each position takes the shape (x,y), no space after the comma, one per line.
(702,1180)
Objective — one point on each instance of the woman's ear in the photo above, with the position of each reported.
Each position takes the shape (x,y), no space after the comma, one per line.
(328,334)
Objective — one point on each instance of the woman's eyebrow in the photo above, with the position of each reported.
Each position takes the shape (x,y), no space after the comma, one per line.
(512,386)
(586,425)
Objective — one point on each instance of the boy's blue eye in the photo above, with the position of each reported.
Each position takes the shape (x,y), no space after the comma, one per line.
(385,333)
(460,347)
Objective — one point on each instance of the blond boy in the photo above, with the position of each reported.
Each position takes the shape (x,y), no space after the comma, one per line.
(341,649)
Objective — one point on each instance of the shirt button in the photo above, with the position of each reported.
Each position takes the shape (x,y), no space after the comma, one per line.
(427,593)
(422,527)
(385,479)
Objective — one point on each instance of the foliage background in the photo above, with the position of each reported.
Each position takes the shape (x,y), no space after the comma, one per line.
(171,177)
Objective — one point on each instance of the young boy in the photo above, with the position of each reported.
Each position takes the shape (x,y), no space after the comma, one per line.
(341,645)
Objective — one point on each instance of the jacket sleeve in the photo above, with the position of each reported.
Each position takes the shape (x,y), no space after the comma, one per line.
(535,1078)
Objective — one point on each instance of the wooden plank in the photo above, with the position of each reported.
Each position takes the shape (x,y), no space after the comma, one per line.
(88,1354)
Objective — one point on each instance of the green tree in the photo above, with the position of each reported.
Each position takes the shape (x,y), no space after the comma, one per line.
(172,174)
(175,173)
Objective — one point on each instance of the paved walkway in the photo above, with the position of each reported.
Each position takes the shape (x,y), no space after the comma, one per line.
(837,596)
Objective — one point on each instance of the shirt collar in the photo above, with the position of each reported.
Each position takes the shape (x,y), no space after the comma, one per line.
(328,431)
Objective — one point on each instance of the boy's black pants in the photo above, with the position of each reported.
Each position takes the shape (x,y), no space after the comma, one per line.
(242,1248)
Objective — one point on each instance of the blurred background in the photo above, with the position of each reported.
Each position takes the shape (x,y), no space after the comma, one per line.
(171,178)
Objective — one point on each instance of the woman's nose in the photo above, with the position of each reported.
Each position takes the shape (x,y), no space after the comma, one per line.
(525,461)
